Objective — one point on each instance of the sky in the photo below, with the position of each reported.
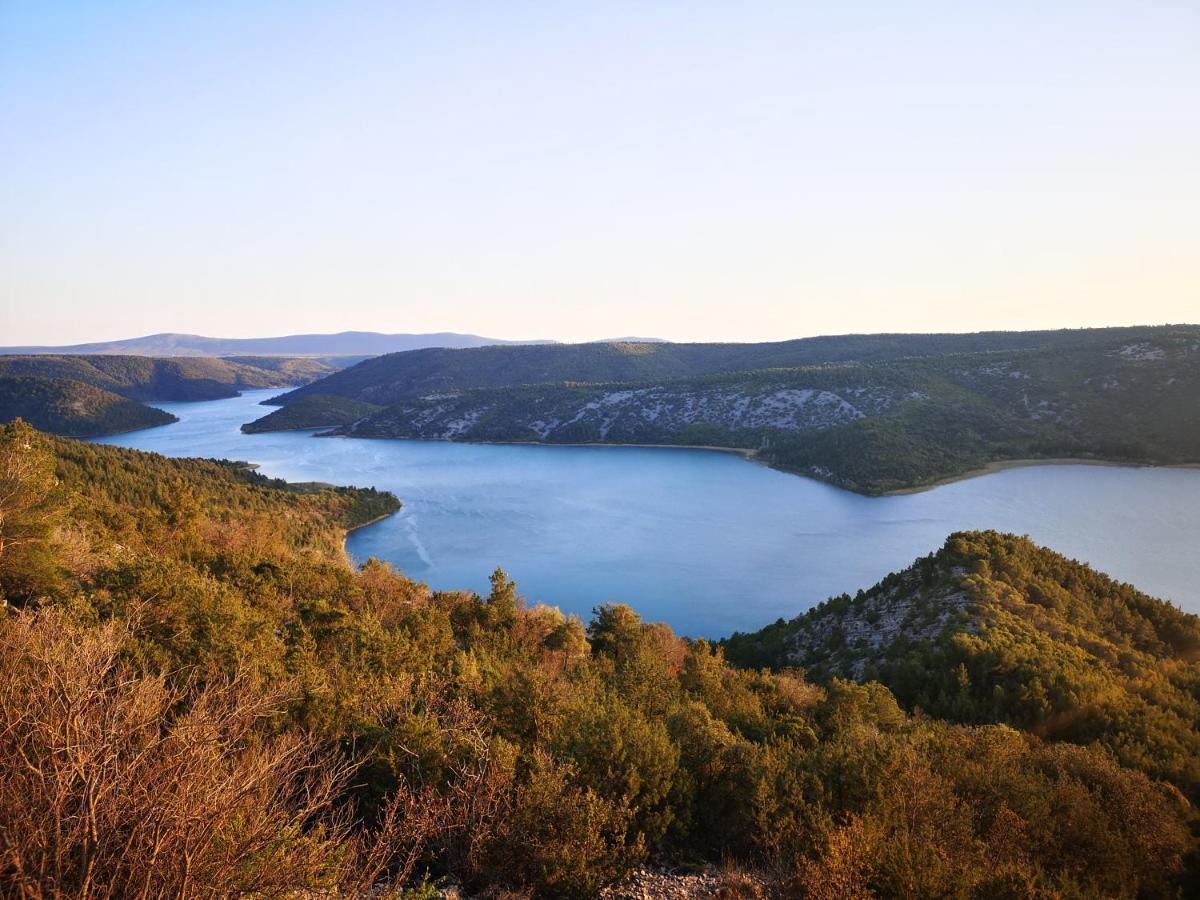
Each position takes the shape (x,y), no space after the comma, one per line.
(686,170)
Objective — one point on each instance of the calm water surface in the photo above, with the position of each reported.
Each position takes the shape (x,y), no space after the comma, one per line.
(702,540)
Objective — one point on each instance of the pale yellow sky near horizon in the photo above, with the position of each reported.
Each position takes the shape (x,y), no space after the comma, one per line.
(687,171)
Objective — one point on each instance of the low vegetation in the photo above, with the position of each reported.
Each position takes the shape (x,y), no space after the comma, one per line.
(202,697)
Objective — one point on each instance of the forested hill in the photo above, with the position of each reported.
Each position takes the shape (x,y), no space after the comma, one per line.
(993,628)
(259,718)
(147,378)
(406,376)
(72,408)
(870,427)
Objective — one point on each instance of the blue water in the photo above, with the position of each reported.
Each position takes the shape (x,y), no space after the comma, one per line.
(702,540)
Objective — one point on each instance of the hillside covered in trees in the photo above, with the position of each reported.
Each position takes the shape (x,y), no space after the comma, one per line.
(183,378)
(251,714)
(87,396)
(993,628)
(871,414)
(394,377)
(72,408)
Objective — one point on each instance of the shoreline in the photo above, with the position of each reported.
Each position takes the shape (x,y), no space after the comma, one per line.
(354,528)
(1002,465)
(752,456)
(740,451)
(379,518)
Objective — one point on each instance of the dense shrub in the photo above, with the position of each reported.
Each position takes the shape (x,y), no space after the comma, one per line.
(293,723)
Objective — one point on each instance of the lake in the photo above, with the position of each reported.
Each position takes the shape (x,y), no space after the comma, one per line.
(705,541)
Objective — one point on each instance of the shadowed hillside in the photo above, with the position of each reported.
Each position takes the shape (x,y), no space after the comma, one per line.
(406,376)
(145,378)
(312,411)
(72,408)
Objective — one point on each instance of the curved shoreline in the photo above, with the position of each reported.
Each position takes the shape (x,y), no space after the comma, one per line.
(749,455)
(354,528)
(1001,465)
(740,451)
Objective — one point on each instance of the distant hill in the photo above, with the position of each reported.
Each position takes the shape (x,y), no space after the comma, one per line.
(893,421)
(72,408)
(400,376)
(346,343)
(145,378)
(993,628)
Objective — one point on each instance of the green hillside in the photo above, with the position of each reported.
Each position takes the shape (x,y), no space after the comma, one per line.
(312,411)
(868,427)
(262,719)
(395,377)
(993,628)
(72,408)
(179,378)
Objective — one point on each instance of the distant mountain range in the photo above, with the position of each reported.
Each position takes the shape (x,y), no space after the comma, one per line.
(345,343)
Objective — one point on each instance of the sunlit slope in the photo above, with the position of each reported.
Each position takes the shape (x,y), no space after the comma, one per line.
(507,744)
(993,628)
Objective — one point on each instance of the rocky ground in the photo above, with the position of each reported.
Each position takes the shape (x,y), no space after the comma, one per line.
(655,883)
(651,884)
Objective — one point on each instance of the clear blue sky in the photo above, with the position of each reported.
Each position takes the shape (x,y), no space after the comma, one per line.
(691,170)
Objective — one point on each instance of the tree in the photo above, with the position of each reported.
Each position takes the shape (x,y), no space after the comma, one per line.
(27,481)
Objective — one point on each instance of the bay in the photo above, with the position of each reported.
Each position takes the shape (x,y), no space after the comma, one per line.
(703,540)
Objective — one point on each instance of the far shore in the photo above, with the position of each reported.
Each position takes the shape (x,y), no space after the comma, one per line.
(740,451)
(752,456)
(1002,464)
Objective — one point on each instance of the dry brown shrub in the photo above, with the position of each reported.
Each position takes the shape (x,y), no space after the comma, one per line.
(844,870)
(119,785)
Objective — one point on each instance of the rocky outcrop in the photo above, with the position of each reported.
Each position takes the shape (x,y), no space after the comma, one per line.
(635,414)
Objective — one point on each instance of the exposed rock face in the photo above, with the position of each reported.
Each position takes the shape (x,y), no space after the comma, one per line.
(848,639)
(635,414)
(871,427)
